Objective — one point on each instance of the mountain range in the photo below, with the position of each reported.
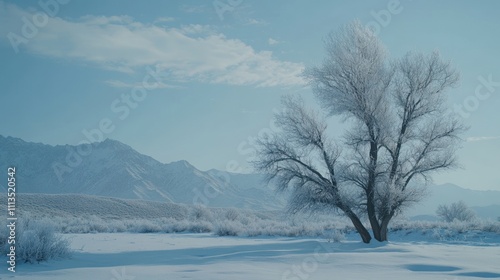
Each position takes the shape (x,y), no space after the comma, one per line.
(113,169)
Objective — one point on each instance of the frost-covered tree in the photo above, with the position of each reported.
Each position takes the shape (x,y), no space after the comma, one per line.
(399,132)
(456,211)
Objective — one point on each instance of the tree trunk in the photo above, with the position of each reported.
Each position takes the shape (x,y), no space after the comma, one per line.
(370,205)
(384,228)
(360,228)
(370,192)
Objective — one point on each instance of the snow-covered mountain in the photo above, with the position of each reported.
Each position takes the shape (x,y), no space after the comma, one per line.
(113,169)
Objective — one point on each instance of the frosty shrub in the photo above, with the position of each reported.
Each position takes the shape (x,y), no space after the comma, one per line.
(38,242)
(443,234)
(456,211)
(200,226)
(144,226)
(200,212)
(232,214)
(335,236)
(228,228)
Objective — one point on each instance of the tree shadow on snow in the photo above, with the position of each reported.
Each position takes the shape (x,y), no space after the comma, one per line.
(187,256)
(209,255)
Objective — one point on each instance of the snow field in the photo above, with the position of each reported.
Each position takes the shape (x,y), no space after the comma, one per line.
(120,256)
(196,242)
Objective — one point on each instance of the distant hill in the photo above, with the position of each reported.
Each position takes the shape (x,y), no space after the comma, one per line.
(113,169)
(485,203)
(488,212)
(73,205)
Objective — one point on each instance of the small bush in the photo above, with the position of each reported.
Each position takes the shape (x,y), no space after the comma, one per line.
(456,211)
(335,236)
(37,241)
(144,226)
(232,214)
(491,227)
(200,212)
(172,226)
(227,228)
(200,227)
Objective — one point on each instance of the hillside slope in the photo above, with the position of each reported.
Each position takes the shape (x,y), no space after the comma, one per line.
(113,169)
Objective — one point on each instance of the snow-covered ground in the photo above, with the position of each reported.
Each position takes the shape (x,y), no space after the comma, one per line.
(131,256)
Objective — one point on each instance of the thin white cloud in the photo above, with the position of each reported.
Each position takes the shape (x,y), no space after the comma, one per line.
(188,53)
(482,138)
(122,84)
(102,20)
(255,21)
(272,41)
(165,19)
(194,9)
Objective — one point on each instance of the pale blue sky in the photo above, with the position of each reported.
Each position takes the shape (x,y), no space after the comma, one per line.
(223,71)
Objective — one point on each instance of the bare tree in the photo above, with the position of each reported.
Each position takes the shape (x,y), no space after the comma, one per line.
(456,211)
(399,132)
(303,158)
